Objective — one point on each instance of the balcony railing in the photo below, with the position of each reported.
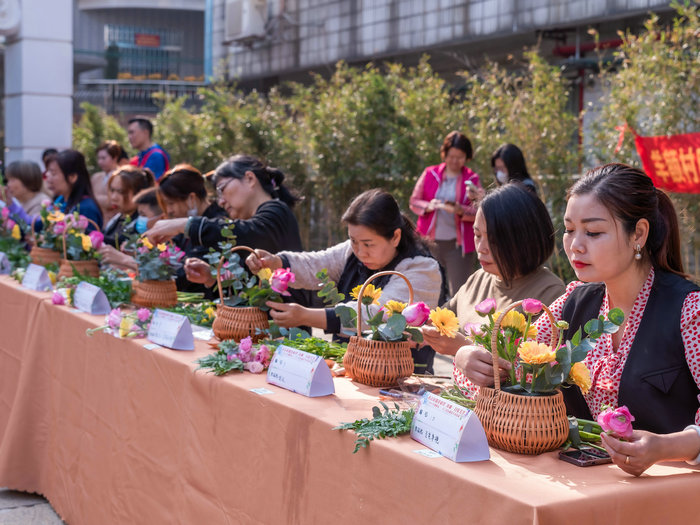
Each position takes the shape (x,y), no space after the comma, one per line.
(188,5)
(133,96)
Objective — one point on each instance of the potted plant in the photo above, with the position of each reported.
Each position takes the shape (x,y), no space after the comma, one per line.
(157,266)
(46,247)
(527,415)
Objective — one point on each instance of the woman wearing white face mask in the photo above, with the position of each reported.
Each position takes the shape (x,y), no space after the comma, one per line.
(123,184)
(148,212)
(508,164)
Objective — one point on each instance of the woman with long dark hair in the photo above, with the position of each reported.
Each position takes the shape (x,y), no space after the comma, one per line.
(623,241)
(68,179)
(508,164)
(380,238)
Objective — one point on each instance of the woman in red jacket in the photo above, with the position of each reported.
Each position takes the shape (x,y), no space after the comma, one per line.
(441,199)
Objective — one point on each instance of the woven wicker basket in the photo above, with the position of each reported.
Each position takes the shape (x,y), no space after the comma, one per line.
(150,294)
(69,268)
(377,363)
(524,424)
(42,256)
(237,322)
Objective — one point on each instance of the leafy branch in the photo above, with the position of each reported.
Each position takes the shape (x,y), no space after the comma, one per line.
(390,423)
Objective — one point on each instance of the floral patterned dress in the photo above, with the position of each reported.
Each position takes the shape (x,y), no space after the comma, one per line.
(605,364)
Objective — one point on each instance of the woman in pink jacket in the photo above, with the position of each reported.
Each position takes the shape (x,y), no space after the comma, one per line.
(441,199)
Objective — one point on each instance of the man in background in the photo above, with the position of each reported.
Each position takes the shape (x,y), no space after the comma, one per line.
(151,155)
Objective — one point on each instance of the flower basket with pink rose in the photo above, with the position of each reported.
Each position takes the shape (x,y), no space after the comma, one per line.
(381,356)
(528,416)
(47,244)
(243,312)
(232,355)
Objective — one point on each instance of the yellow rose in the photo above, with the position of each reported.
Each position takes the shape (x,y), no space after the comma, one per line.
(56,216)
(445,321)
(515,320)
(394,307)
(535,353)
(146,243)
(125,326)
(87,243)
(210,312)
(264,274)
(52,276)
(162,247)
(16,233)
(371,294)
(581,376)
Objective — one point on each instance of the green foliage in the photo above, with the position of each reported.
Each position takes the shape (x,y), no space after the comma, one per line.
(318,346)
(328,290)
(390,423)
(94,127)
(456,395)
(113,283)
(201,313)
(653,84)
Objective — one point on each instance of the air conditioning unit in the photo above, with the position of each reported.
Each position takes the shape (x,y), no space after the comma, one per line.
(244,20)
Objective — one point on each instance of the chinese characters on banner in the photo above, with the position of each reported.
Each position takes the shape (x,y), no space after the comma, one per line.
(672,162)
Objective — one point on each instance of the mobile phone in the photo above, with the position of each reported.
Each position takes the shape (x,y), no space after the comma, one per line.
(585,458)
(470,185)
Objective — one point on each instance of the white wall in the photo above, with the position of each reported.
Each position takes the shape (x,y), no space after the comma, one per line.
(39,80)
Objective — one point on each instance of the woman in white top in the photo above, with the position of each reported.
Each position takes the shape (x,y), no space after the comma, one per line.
(108,154)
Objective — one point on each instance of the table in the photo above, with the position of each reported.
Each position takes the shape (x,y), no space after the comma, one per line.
(110,432)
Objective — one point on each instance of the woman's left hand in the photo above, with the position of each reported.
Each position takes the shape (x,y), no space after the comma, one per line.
(287,315)
(636,455)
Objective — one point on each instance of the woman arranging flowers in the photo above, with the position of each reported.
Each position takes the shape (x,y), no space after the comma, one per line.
(445,213)
(514,237)
(380,238)
(622,239)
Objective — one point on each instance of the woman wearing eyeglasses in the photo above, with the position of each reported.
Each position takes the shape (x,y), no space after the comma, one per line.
(257,201)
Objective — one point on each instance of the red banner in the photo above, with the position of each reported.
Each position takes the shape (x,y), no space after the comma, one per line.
(146,40)
(672,162)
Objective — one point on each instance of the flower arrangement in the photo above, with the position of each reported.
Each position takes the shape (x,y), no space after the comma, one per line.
(11,234)
(244,355)
(395,320)
(245,289)
(543,368)
(54,224)
(78,245)
(125,324)
(157,263)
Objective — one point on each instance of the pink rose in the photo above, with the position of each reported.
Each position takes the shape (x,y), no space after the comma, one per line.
(114,319)
(246,344)
(263,354)
(416,314)
(616,422)
(254,367)
(5,212)
(473,329)
(532,306)
(230,357)
(10,223)
(143,314)
(46,203)
(59,227)
(280,280)
(96,238)
(486,307)
(57,298)
(82,222)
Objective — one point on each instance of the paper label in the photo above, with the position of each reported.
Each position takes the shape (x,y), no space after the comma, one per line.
(449,429)
(300,372)
(5,266)
(262,391)
(36,278)
(171,330)
(90,299)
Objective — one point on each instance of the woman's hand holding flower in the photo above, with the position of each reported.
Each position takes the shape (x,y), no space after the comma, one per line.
(441,344)
(636,455)
(260,259)
(199,271)
(477,365)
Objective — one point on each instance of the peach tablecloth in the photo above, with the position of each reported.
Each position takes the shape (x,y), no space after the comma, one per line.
(113,433)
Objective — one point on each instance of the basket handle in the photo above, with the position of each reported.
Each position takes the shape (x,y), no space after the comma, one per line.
(497,328)
(218,269)
(63,236)
(362,291)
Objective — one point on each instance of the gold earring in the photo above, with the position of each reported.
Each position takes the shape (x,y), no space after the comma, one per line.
(638,252)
